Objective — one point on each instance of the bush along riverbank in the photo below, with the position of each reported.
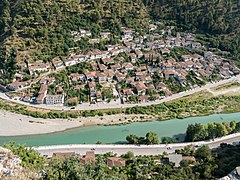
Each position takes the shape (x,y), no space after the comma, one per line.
(194,132)
(190,106)
(200,132)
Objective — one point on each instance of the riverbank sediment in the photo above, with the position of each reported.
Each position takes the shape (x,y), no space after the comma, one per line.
(173,128)
(12,124)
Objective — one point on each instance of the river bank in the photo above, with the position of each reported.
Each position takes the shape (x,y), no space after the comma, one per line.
(13,124)
(17,120)
(203,104)
(174,128)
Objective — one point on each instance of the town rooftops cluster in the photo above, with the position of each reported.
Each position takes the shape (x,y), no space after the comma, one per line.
(137,68)
(89,157)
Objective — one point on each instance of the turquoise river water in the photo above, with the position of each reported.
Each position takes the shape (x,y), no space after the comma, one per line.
(118,133)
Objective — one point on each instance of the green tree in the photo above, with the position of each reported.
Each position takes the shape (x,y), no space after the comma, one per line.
(165,140)
(233,125)
(129,155)
(152,138)
(203,152)
(237,129)
(196,132)
(221,130)
(212,130)
(132,139)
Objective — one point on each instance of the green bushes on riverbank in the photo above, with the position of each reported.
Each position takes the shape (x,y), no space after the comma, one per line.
(193,105)
(194,132)
(199,104)
(200,132)
(53,114)
(151,138)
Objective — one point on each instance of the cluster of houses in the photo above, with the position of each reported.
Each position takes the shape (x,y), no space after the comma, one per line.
(9,163)
(91,158)
(140,79)
(44,97)
(115,161)
(130,40)
(119,64)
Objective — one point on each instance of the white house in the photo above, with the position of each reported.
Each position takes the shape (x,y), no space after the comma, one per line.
(105,35)
(54,99)
(70,62)
(79,58)
(95,54)
(84,33)
(57,63)
(196,45)
(209,54)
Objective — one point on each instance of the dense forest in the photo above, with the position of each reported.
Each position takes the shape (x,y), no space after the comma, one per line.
(218,19)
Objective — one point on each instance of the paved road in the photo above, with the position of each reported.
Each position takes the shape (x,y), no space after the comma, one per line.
(117,104)
(137,150)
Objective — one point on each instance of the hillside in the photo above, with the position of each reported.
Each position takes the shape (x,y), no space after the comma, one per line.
(219,18)
(41,29)
(33,30)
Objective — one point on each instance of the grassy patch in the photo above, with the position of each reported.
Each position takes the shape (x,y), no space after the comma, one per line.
(195,105)
(198,104)
(226,86)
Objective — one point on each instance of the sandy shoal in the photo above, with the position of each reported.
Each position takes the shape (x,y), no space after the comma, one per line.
(12,124)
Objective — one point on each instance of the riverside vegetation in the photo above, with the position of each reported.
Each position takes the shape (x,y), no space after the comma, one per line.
(198,104)
(208,165)
(194,132)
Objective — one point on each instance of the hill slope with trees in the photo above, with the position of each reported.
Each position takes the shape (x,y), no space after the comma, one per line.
(218,18)
(41,29)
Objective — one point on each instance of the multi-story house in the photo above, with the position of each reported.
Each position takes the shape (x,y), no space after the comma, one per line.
(139,88)
(39,66)
(101,77)
(128,66)
(196,45)
(70,62)
(41,94)
(57,64)
(54,99)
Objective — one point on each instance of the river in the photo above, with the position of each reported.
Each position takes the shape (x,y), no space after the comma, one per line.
(118,133)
